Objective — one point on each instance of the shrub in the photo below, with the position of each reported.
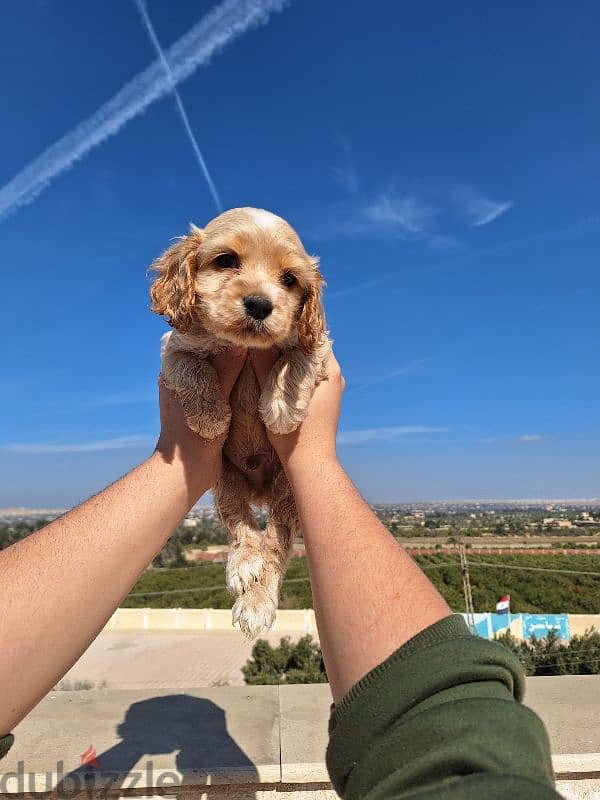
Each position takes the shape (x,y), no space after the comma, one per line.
(301,662)
(549,656)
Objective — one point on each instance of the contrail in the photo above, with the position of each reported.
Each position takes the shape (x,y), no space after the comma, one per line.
(224,23)
(141,6)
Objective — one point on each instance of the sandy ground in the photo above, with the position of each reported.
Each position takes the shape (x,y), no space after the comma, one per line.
(119,660)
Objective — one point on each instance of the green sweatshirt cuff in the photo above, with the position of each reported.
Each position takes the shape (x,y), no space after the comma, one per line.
(6,743)
(451,627)
(442,706)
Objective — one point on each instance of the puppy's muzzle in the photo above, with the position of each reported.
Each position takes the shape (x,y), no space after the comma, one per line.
(257,307)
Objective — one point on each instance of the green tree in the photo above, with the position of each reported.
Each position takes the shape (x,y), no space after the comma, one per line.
(550,656)
(301,662)
(172,554)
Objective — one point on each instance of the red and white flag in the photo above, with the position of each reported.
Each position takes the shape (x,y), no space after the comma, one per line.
(503,605)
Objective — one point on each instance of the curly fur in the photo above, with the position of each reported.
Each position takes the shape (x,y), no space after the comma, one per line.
(204,303)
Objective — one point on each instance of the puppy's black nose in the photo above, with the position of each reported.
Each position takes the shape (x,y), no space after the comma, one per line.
(258,307)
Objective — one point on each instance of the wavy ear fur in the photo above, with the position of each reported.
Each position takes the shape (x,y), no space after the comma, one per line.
(311,325)
(173,293)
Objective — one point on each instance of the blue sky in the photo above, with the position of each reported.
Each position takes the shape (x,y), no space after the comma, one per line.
(442,161)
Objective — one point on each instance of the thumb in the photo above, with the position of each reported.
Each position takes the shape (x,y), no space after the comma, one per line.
(262,361)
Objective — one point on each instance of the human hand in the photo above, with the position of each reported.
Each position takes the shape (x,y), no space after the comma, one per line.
(177,440)
(315,438)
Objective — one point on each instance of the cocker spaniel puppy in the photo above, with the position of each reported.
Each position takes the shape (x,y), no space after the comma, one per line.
(245,279)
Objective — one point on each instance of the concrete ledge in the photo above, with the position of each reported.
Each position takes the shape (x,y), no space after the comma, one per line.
(203,619)
(287,621)
(569,764)
(244,742)
(146,740)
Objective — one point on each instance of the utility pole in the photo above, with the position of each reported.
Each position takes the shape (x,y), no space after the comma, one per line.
(464,571)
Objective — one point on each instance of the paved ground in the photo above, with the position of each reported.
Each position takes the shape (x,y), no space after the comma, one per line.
(570,708)
(153,660)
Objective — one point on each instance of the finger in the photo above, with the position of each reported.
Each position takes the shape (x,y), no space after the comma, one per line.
(262,361)
(333,367)
(334,370)
(228,366)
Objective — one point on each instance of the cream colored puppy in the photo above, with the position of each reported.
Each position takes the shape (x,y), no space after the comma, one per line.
(245,279)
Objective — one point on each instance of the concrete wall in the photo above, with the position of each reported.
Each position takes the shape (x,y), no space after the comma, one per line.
(299,621)
(202,619)
(247,743)
(580,623)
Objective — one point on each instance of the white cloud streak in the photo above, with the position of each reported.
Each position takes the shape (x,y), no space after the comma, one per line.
(222,25)
(147,22)
(346,173)
(360,287)
(480,210)
(43,448)
(427,214)
(490,212)
(531,437)
(390,434)
(406,215)
(404,369)
(347,177)
(125,398)
(410,366)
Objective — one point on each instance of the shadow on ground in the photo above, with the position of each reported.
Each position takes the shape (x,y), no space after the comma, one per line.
(192,727)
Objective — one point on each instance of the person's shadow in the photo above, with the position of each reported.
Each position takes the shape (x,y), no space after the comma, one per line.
(193,726)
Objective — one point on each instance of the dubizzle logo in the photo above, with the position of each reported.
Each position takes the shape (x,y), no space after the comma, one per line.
(90,757)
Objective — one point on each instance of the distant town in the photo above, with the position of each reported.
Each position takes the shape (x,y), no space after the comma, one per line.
(544,553)
(492,518)
(439,514)
(485,522)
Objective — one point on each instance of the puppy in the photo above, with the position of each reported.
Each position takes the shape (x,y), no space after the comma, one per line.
(245,279)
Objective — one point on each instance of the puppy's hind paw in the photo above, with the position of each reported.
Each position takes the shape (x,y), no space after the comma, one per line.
(245,567)
(254,611)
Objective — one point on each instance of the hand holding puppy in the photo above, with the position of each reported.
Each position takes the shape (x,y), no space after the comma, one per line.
(314,440)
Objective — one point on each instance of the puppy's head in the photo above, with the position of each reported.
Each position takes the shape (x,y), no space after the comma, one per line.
(245,278)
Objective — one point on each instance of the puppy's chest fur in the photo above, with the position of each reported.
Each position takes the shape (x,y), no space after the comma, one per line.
(247,445)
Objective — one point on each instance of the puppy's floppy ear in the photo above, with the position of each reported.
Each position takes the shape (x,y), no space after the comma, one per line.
(311,325)
(173,293)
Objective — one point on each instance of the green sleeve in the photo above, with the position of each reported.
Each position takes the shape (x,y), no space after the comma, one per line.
(6,744)
(440,718)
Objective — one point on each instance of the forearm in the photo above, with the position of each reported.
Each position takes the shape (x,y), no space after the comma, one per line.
(59,586)
(369,596)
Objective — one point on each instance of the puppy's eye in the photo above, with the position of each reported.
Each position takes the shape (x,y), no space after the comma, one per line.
(227,261)
(288,279)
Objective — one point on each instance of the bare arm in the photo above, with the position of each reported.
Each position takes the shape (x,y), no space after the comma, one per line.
(369,595)
(59,586)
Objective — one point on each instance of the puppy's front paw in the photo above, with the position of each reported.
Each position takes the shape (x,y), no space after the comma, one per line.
(278,417)
(208,419)
(209,426)
(245,567)
(254,611)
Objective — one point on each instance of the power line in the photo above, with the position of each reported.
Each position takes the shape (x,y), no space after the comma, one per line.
(202,588)
(566,662)
(215,587)
(535,569)
(424,567)
(473,563)
(464,571)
